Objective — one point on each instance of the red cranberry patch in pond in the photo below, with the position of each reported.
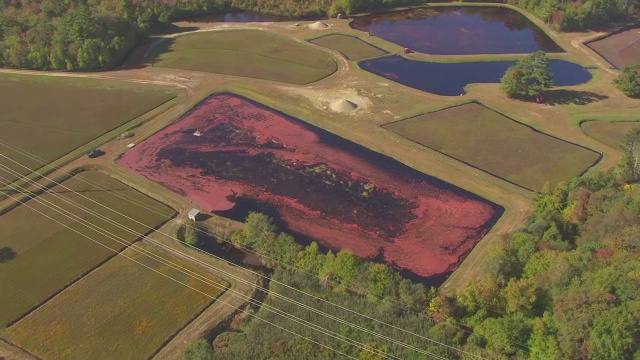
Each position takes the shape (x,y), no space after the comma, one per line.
(325,187)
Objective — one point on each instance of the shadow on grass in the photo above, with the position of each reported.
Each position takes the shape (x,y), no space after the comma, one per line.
(6,254)
(566,97)
(170,28)
(154,55)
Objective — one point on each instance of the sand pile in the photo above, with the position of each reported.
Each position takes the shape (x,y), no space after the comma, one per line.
(318,25)
(343,106)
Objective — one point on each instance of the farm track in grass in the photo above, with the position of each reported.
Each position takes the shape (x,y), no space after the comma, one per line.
(47,256)
(492,142)
(50,119)
(122,310)
(247,53)
(608,133)
(351,47)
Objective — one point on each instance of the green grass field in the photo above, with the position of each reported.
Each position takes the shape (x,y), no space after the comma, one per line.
(248,53)
(48,256)
(51,117)
(498,145)
(120,311)
(351,47)
(608,133)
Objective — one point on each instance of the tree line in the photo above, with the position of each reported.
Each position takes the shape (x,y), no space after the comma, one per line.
(580,14)
(81,35)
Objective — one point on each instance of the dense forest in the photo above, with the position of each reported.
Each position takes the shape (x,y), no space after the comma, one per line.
(565,286)
(97,35)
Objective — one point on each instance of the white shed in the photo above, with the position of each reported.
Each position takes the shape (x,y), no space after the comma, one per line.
(193,214)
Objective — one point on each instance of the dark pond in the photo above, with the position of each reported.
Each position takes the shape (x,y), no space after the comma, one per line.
(459,30)
(449,79)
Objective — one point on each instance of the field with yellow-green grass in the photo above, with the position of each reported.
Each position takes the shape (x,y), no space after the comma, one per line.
(46,250)
(492,142)
(248,53)
(126,309)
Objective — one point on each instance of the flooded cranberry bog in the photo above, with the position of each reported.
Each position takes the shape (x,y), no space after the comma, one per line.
(249,157)
(456,30)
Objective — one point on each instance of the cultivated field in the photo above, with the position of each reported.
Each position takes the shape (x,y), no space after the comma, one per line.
(351,47)
(49,118)
(248,53)
(498,145)
(621,49)
(608,133)
(45,255)
(123,310)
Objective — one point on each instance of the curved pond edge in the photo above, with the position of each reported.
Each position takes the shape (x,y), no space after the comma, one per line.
(600,154)
(537,22)
(311,38)
(588,70)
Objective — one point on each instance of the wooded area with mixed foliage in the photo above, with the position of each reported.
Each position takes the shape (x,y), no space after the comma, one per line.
(563,287)
(566,286)
(97,35)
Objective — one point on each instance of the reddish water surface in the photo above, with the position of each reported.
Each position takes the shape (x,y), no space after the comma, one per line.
(331,190)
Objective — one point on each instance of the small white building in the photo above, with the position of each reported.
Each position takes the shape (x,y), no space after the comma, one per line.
(193,214)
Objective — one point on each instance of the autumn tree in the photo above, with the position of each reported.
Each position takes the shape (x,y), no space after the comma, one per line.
(529,78)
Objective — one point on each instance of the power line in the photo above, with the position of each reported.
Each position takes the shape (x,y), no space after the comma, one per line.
(357,327)
(239,279)
(186,285)
(253,251)
(207,281)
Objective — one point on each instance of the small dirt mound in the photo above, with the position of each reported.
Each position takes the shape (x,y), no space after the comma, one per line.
(343,106)
(318,25)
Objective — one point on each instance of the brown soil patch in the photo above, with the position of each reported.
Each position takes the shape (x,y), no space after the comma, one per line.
(621,49)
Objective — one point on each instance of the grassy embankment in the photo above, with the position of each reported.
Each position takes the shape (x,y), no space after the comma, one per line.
(351,47)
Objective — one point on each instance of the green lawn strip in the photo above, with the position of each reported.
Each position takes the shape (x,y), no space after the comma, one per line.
(351,47)
(50,119)
(248,53)
(123,310)
(608,133)
(498,145)
(50,256)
